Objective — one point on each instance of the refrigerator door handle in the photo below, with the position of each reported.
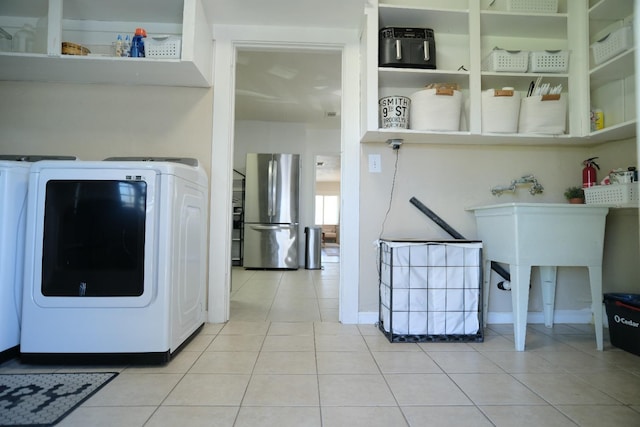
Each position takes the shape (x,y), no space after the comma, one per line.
(274,188)
(266,227)
(270,189)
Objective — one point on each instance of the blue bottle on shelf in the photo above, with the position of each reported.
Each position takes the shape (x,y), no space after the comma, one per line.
(137,44)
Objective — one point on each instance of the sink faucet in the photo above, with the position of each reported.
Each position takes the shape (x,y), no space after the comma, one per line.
(536,188)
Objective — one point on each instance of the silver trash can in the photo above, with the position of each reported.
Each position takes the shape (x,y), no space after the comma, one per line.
(313,255)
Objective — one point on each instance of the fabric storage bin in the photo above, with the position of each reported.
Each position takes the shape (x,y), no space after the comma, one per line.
(533,6)
(436,110)
(515,61)
(623,314)
(430,290)
(500,111)
(393,112)
(612,44)
(543,114)
(549,61)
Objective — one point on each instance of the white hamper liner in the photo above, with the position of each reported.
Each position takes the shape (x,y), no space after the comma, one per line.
(436,109)
(500,111)
(543,114)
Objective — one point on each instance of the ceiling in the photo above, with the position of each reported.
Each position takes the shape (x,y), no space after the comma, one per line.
(328,168)
(289,85)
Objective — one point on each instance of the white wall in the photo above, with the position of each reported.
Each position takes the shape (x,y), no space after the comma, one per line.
(93,122)
(448,179)
(328,188)
(98,121)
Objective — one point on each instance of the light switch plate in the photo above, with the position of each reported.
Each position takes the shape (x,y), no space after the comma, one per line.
(375,163)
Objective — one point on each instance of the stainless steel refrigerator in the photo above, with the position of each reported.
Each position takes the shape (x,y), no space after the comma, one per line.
(271,211)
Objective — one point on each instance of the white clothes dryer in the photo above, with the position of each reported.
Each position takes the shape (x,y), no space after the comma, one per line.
(115,260)
(14,179)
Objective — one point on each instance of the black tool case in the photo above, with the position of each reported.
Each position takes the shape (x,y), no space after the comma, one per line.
(407,48)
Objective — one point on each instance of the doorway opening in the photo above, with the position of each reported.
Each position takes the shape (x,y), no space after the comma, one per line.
(288,100)
(327,202)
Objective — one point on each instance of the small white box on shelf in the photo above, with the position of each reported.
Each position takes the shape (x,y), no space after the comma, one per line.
(500,111)
(515,61)
(533,6)
(612,44)
(543,114)
(163,47)
(436,110)
(549,61)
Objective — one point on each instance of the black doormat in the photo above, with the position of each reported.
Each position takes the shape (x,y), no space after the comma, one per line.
(45,399)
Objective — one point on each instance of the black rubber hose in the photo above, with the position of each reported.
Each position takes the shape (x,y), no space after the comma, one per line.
(453,233)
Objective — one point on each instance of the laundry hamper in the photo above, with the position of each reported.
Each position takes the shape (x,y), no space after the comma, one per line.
(430,290)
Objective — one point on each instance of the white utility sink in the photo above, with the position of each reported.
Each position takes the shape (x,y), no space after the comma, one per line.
(547,235)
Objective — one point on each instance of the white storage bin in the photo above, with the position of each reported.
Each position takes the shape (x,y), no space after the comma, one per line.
(393,112)
(613,195)
(533,6)
(515,61)
(436,109)
(163,47)
(549,61)
(500,111)
(612,44)
(543,114)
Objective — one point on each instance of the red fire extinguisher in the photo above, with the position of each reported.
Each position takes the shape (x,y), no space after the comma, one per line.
(589,178)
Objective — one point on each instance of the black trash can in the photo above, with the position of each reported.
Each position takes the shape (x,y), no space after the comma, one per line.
(623,313)
(313,250)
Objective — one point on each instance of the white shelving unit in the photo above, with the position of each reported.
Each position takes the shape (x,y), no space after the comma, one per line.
(96,25)
(612,83)
(466,31)
(237,233)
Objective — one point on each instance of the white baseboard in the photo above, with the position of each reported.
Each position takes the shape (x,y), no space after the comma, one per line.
(559,316)
(368,318)
(501,317)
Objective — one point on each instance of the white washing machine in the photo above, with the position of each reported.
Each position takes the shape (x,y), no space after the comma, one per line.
(14,179)
(115,260)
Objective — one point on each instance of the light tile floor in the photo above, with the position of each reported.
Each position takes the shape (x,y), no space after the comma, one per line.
(283,360)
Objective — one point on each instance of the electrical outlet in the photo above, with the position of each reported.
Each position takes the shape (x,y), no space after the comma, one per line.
(375,163)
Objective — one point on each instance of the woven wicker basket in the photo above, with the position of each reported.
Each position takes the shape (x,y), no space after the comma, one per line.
(69,48)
